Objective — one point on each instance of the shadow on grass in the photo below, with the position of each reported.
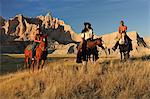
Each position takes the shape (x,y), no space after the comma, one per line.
(143,58)
(10,64)
(133,59)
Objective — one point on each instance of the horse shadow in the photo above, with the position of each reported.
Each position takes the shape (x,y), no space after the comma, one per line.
(143,58)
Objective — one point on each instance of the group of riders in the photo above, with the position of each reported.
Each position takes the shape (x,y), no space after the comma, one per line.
(87,34)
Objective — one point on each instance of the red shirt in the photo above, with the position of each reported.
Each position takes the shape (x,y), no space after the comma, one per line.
(122,29)
(37,38)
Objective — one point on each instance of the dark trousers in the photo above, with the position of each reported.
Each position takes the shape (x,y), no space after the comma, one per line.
(96,52)
(33,48)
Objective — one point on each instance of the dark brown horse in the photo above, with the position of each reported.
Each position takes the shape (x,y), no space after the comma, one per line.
(125,49)
(88,48)
(92,49)
(41,55)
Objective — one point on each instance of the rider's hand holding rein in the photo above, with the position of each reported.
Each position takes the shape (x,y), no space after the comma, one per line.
(37,40)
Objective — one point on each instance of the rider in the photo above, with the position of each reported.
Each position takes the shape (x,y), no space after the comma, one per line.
(122,33)
(37,40)
(87,34)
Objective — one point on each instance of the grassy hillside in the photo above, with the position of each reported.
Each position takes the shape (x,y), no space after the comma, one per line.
(64,79)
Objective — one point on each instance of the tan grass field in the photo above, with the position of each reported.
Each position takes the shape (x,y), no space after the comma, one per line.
(64,79)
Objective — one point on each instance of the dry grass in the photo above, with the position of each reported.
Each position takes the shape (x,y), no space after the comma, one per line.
(64,79)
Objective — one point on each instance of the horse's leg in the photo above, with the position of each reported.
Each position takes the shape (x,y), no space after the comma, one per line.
(25,62)
(129,54)
(125,55)
(93,58)
(42,64)
(38,64)
(121,55)
(89,57)
(32,65)
(29,64)
(95,53)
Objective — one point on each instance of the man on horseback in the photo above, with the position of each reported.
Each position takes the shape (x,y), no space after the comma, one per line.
(37,40)
(122,37)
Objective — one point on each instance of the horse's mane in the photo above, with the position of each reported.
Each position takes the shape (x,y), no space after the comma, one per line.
(97,39)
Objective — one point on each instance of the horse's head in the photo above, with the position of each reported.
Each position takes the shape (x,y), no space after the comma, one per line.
(42,44)
(99,41)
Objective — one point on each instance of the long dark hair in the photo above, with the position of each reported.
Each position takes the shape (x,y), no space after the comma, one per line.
(89,27)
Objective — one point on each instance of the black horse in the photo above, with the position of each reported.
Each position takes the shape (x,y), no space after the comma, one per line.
(125,48)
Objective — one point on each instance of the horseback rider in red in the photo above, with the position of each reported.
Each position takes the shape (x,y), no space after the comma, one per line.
(122,32)
(37,40)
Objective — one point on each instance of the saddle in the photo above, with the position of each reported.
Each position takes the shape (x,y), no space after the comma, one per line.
(122,39)
(29,47)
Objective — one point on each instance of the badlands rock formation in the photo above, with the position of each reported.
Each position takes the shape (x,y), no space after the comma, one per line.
(24,28)
(20,29)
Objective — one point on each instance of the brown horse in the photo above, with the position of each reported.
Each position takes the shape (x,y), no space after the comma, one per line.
(40,55)
(91,48)
(87,49)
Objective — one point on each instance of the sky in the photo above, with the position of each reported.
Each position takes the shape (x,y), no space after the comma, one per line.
(104,15)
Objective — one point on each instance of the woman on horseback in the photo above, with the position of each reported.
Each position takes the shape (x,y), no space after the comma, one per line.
(122,35)
(86,34)
(37,40)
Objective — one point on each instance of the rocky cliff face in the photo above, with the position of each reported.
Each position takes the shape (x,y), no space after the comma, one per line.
(22,28)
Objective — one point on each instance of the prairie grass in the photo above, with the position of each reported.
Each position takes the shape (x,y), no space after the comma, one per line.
(64,79)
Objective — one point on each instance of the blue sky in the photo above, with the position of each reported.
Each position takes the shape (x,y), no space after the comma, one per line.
(104,15)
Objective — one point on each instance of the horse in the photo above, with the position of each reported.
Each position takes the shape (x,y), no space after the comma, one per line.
(40,55)
(125,46)
(88,48)
(92,49)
